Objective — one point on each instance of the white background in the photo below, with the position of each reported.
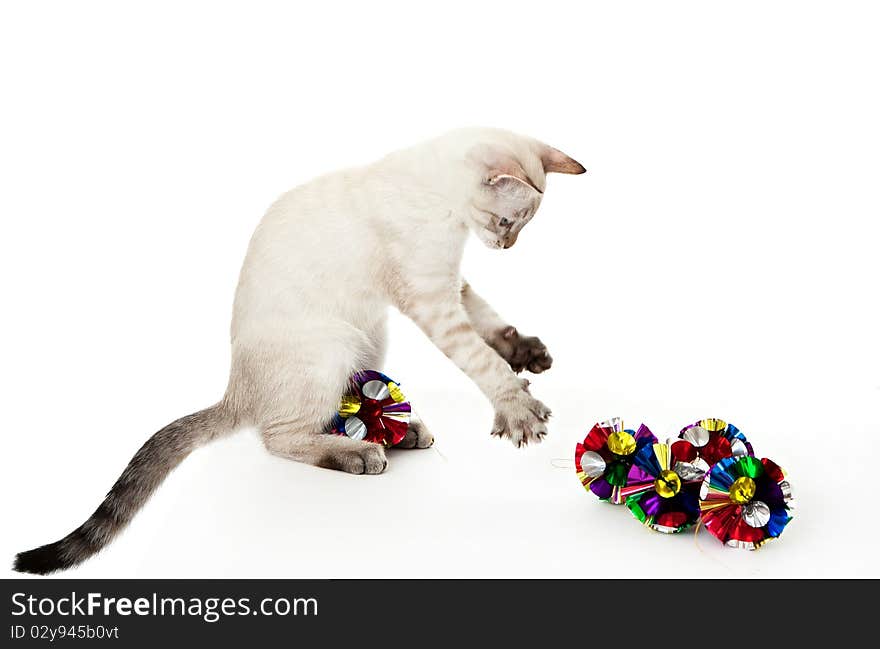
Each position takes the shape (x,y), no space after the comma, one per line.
(719,259)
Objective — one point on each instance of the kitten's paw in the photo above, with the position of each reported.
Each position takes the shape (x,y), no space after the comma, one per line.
(522,352)
(521,418)
(417,436)
(369,459)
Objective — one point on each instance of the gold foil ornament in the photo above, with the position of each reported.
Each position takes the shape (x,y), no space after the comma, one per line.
(668,484)
(713,425)
(349,405)
(621,443)
(396,394)
(742,490)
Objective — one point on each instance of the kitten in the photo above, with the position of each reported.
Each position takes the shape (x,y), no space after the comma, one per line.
(323,266)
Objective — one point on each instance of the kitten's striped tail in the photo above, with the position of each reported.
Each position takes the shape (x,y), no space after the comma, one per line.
(146,471)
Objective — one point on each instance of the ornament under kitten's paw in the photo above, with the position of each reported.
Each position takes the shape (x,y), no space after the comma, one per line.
(522,352)
(521,418)
(417,436)
(369,459)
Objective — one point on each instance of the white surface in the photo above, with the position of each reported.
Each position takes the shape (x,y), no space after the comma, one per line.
(718,260)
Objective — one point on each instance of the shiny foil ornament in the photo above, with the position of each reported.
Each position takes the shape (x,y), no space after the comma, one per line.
(745,501)
(715,440)
(374,410)
(663,486)
(604,458)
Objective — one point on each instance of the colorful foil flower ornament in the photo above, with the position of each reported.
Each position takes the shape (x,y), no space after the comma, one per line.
(603,460)
(715,440)
(746,501)
(375,410)
(663,486)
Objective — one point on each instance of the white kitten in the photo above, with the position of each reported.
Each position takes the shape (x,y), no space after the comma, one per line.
(323,266)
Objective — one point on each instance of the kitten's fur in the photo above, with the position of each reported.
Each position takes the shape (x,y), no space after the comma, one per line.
(323,266)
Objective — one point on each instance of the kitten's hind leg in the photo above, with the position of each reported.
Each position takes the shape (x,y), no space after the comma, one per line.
(326,450)
(417,435)
(293,394)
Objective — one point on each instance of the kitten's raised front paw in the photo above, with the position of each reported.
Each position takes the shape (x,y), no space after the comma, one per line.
(368,459)
(522,352)
(521,418)
(417,436)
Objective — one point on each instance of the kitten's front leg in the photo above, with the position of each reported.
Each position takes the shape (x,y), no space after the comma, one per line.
(518,415)
(522,352)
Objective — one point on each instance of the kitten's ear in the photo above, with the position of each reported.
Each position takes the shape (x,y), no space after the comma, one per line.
(512,186)
(510,178)
(555,161)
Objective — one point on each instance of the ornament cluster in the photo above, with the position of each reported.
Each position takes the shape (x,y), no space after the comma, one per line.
(709,474)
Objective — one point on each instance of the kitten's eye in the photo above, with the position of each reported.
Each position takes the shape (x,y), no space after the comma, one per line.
(504,222)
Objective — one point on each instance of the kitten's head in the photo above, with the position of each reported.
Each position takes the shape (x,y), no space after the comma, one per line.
(512,172)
